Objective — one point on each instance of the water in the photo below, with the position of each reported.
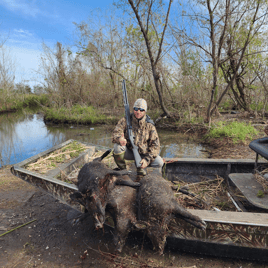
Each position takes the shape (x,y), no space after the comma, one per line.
(25,135)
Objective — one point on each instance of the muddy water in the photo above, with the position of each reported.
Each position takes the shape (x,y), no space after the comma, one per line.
(24,135)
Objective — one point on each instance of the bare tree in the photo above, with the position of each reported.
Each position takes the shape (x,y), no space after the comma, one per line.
(101,43)
(149,25)
(223,23)
(7,70)
(65,76)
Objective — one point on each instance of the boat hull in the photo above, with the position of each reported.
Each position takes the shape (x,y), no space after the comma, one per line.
(228,234)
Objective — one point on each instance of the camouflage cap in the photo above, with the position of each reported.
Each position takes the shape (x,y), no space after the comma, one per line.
(140,103)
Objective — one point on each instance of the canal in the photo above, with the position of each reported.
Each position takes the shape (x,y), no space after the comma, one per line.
(23,135)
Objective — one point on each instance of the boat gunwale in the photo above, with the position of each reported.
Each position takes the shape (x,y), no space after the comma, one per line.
(18,168)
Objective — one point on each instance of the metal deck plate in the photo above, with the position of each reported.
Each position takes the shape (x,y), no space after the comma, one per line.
(249,187)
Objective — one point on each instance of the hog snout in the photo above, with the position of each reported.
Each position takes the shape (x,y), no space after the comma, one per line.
(98,222)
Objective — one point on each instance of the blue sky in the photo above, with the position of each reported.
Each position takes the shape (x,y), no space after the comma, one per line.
(26,24)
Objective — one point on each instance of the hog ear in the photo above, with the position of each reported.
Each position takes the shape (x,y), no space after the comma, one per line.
(126,182)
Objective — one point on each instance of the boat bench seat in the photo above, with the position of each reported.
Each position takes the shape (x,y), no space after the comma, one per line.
(260,146)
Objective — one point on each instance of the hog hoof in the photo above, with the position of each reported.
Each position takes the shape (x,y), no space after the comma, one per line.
(160,251)
(119,248)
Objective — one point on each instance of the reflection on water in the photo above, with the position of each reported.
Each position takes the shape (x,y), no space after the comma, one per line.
(22,136)
(179,145)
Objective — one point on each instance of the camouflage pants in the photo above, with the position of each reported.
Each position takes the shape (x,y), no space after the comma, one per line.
(158,162)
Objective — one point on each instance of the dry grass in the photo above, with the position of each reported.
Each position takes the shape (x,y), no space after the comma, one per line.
(207,194)
(261,180)
(57,157)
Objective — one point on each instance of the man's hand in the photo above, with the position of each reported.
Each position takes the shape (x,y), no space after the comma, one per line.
(122,140)
(143,163)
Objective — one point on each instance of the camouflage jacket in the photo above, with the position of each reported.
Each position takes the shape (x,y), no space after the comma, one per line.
(145,137)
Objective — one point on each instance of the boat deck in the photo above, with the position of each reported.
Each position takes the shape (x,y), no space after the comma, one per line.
(250,188)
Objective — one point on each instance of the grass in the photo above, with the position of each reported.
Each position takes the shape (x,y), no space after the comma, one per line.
(43,164)
(77,114)
(17,102)
(237,131)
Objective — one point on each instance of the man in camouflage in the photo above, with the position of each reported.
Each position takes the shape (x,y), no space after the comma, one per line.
(146,139)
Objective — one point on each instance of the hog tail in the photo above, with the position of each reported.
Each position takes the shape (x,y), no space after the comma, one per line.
(182,213)
(105,154)
(98,159)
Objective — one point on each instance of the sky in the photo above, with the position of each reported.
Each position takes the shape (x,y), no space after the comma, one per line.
(26,24)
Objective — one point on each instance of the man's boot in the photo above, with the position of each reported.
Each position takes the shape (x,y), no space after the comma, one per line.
(119,160)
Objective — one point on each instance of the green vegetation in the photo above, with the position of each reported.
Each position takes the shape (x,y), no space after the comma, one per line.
(15,102)
(75,148)
(237,131)
(260,194)
(77,114)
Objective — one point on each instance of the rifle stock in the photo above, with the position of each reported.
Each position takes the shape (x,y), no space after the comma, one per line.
(129,127)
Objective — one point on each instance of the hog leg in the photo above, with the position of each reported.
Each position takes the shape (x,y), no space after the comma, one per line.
(126,182)
(182,213)
(157,232)
(157,235)
(122,229)
(122,224)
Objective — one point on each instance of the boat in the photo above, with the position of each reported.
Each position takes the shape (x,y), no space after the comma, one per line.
(231,234)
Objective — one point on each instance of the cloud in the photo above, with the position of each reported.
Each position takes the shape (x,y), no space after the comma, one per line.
(27,8)
(21,37)
(23,33)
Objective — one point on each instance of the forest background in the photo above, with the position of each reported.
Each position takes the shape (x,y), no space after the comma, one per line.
(191,61)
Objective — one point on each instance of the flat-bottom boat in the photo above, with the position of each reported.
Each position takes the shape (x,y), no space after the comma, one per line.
(232,234)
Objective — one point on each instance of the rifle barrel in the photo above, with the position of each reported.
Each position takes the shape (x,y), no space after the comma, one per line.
(129,127)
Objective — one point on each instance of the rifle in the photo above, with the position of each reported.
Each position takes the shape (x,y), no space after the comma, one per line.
(129,127)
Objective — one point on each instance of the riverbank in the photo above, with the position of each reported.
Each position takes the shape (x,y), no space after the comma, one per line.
(17,102)
(223,147)
(79,115)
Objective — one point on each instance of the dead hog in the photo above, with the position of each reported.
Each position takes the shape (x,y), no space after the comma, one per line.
(121,205)
(157,206)
(95,182)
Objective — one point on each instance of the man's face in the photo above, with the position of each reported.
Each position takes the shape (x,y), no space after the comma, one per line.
(139,113)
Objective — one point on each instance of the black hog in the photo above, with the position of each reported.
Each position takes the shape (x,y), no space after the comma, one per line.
(95,182)
(157,206)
